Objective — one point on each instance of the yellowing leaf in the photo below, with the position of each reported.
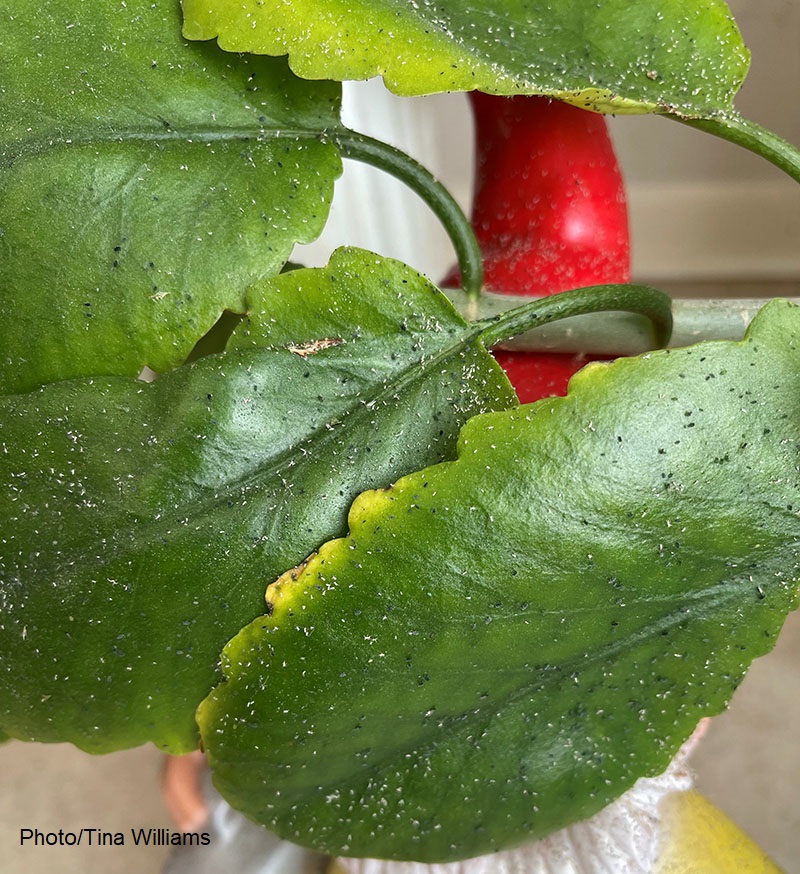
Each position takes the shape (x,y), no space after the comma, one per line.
(683,56)
(504,643)
(142,522)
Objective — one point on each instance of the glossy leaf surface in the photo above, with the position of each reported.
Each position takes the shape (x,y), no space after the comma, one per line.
(145,182)
(502,644)
(142,522)
(682,56)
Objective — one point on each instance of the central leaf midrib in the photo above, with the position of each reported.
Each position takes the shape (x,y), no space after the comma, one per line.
(717,595)
(141,530)
(25,149)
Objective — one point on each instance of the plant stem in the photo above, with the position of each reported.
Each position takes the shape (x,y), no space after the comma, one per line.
(615,333)
(360,147)
(648,302)
(736,129)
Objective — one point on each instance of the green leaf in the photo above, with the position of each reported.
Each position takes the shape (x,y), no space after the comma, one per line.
(144,184)
(681,56)
(142,522)
(504,643)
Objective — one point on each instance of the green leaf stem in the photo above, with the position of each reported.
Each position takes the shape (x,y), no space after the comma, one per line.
(503,643)
(633,299)
(143,522)
(678,56)
(378,154)
(735,128)
(145,183)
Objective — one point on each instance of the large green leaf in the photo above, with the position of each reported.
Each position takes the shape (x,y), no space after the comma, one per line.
(504,643)
(144,184)
(142,522)
(681,56)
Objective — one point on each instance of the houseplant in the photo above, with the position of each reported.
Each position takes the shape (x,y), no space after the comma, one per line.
(145,521)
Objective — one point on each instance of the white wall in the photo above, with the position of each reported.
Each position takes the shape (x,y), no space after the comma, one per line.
(700,208)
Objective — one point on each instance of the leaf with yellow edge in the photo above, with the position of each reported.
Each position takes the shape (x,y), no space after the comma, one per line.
(142,522)
(504,643)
